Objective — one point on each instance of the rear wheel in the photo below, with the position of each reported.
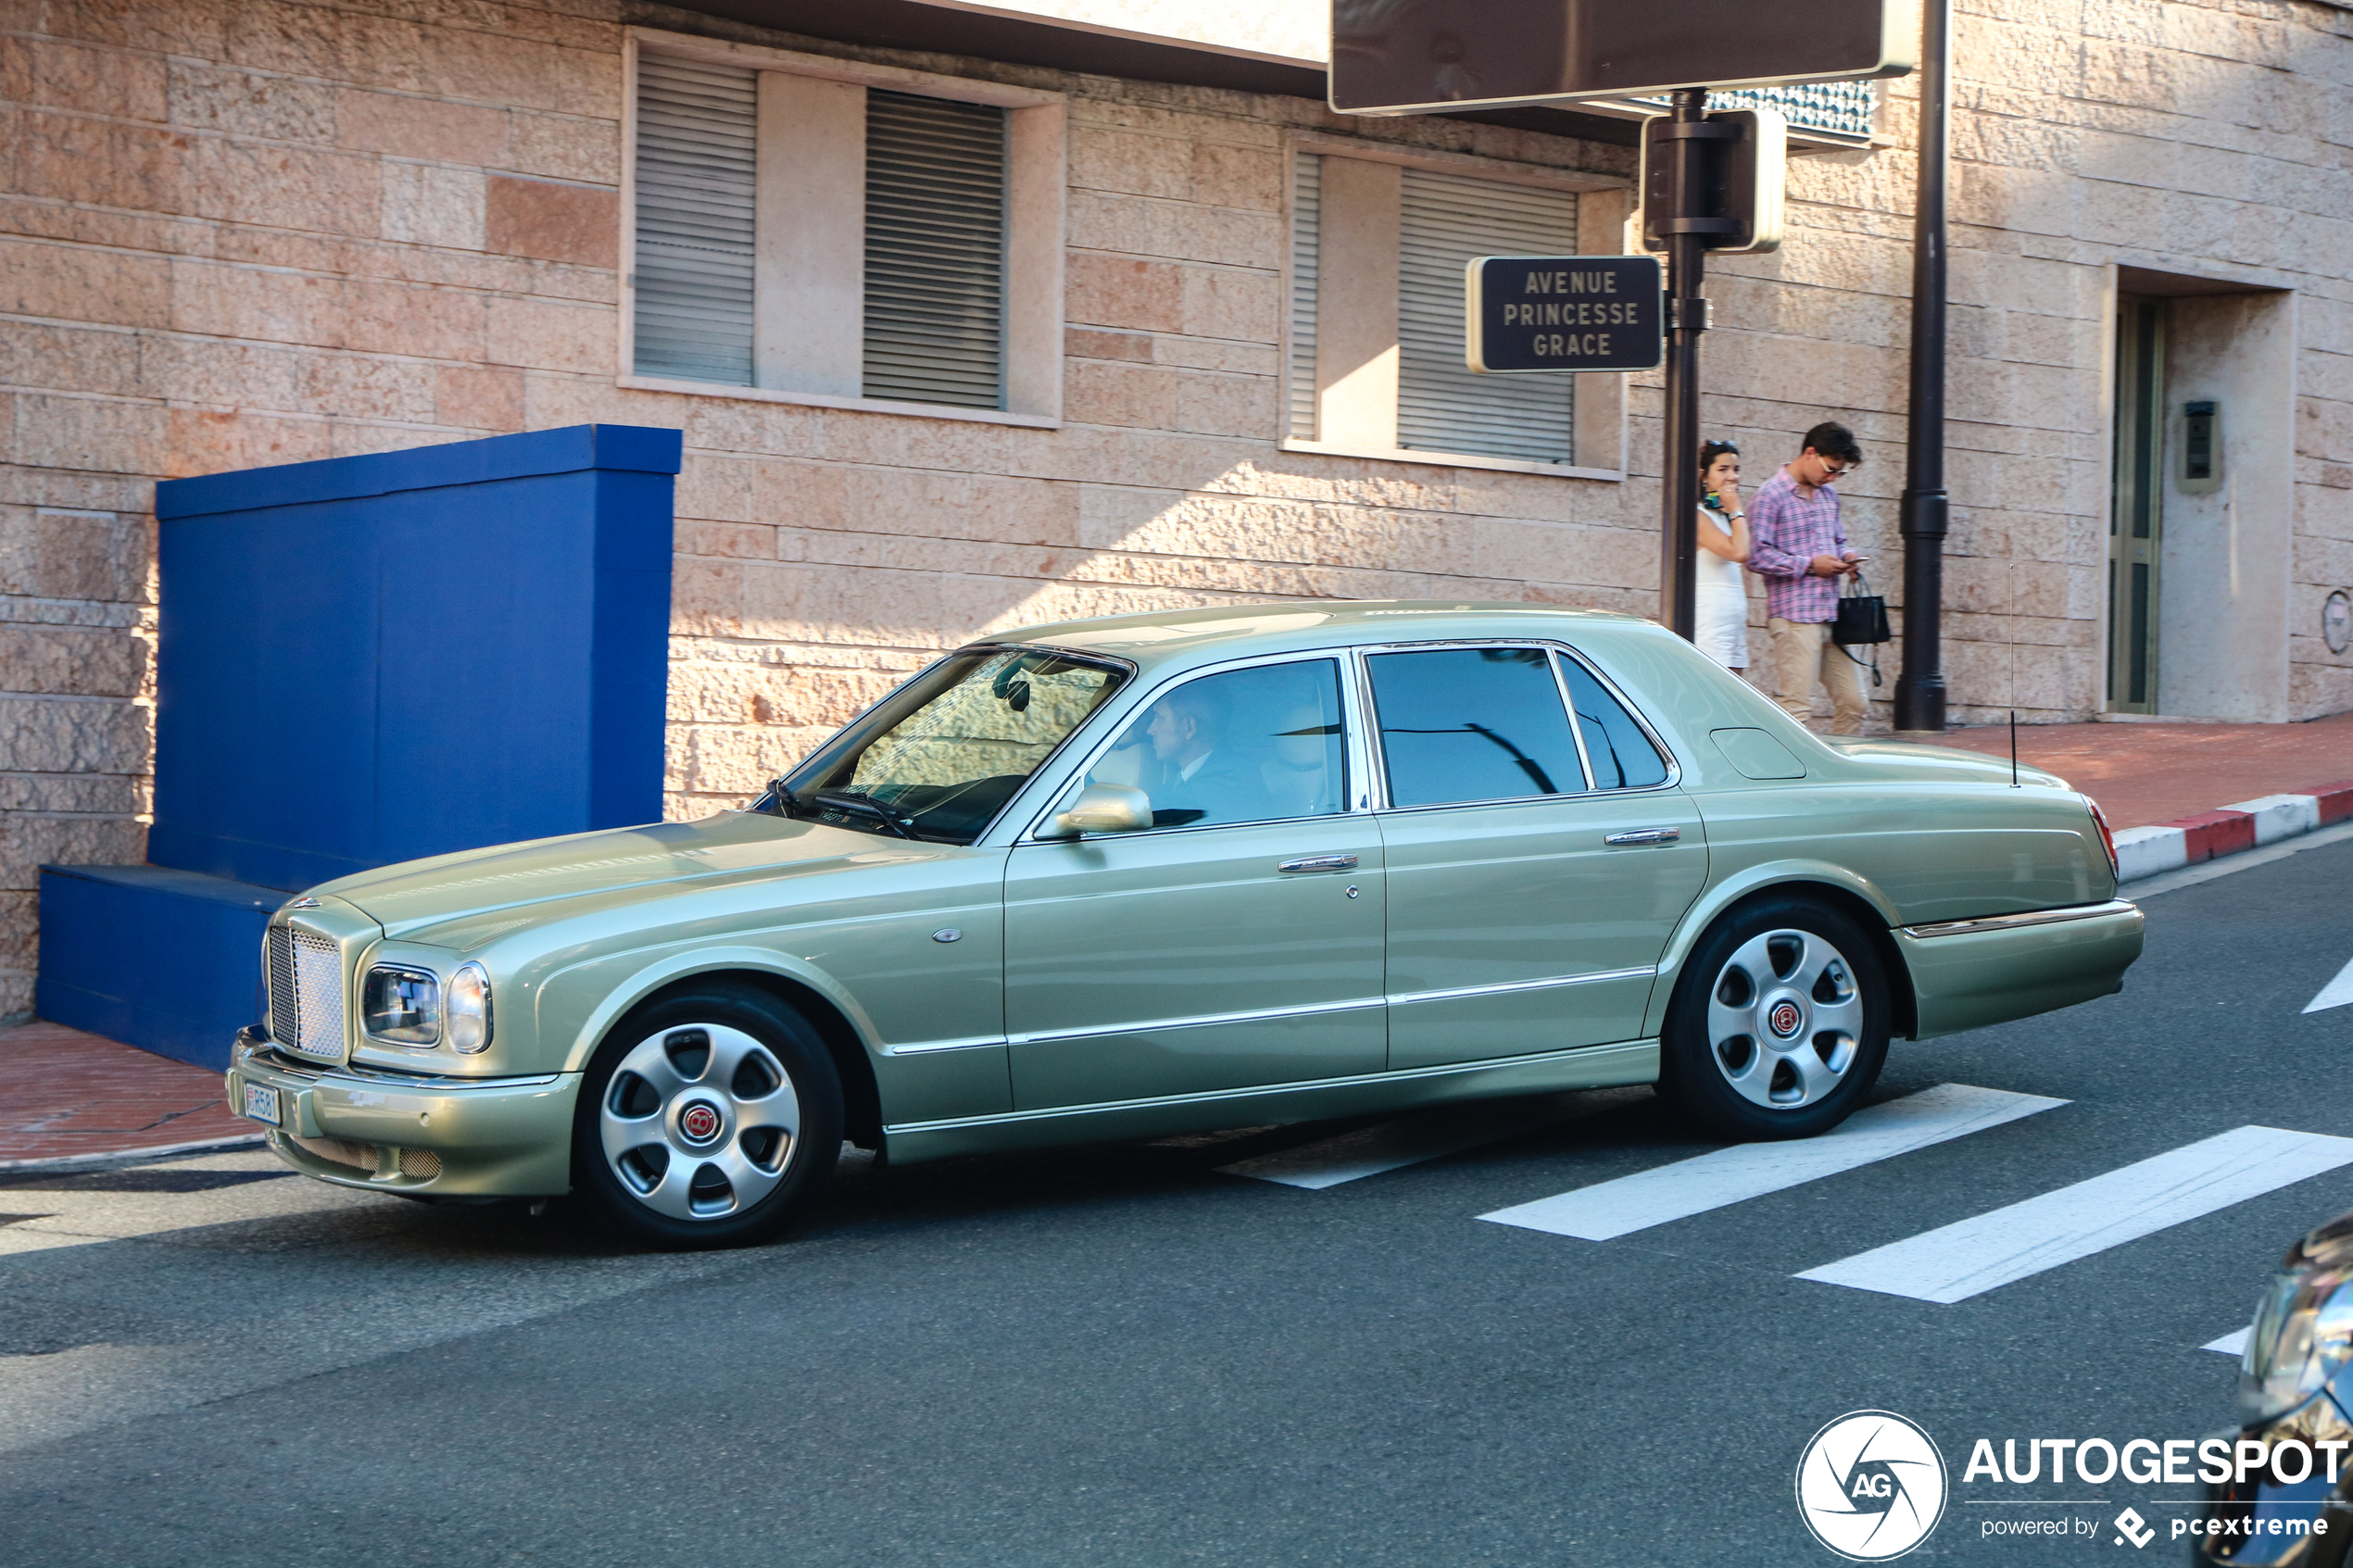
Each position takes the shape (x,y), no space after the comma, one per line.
(707,1117)
(1779,1023)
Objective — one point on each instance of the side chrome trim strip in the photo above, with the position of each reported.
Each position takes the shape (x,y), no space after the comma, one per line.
(1211,1097)
(1199,1021)
(1254,1015)
(1645,972)
(921,1047)
(2011,922)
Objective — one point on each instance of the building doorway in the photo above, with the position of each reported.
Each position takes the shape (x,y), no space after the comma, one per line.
(2136,512)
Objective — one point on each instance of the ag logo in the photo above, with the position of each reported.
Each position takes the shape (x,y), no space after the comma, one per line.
(1871,1486)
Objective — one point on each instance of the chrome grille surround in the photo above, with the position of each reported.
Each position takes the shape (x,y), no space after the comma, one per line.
(306,993)
(282,1027)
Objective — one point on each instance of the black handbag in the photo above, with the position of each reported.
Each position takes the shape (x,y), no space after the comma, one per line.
(1862,616)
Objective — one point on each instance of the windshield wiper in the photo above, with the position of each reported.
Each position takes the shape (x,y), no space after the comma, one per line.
(862,805)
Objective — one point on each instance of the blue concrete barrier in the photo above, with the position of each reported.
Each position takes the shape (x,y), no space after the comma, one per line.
(365,660)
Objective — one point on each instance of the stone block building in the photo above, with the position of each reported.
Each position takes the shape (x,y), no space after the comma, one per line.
(986,314)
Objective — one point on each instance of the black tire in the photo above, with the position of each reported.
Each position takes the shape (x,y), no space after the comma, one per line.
(1764,1082)
(725,1057)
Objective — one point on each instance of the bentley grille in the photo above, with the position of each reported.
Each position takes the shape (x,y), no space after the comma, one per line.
(306,992)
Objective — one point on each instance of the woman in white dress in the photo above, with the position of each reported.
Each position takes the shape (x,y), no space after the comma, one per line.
(1719,596)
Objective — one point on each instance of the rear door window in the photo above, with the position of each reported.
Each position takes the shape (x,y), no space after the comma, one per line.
(1622,755)
(1471,724)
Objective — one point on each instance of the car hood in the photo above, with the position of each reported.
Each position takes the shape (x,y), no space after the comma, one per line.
(465,899)
(1941,762)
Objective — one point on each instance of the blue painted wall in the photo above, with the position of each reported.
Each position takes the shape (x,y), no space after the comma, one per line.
(373,658)
(366,660)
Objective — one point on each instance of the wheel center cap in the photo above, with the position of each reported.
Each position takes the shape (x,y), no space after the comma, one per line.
(700,1123)
(1785,1017)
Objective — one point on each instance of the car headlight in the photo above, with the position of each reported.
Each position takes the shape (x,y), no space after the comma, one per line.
(470,1008)
(2303,1334)
(401,1005)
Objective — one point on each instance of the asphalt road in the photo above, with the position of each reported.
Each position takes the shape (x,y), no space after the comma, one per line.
(1123,1356)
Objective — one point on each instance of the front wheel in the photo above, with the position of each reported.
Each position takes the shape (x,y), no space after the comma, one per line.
(1779,1023)
(711,1117)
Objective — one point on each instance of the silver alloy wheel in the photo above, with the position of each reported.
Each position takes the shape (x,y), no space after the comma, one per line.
(700,1121)
(1784,1019)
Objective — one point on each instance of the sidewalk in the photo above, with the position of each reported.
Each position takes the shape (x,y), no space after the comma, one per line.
(68,1095)
(65,1095)
(2143,774)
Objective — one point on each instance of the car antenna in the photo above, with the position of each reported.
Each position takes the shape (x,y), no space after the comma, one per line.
(2013,749)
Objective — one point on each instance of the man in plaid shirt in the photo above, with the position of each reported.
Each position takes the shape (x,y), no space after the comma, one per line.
(1800,549)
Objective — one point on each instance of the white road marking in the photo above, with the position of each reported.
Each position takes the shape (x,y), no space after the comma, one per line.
(1751,1170)
(1956,1262)
(2335,994)
(1431,1135)
(2230,1344)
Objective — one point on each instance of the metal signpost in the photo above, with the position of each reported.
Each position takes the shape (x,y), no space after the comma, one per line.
(1429,56)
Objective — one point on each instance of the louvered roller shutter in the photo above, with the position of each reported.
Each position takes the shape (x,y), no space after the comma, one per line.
(1306,233)
(1442,405)
(697,148)
(935,250)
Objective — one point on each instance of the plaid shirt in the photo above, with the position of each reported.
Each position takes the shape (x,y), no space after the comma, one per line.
(1786,532)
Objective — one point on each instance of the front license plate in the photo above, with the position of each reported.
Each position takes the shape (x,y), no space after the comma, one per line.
(262,1103)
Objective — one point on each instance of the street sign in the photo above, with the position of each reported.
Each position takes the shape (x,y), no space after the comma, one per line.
(1414,56)
(1741,185)
(1524,313)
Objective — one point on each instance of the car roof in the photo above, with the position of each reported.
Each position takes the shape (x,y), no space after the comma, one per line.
(1218,632)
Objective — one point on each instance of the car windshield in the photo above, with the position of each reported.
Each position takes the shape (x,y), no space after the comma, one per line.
(939,759)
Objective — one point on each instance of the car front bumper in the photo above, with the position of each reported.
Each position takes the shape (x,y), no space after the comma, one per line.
(417,1133)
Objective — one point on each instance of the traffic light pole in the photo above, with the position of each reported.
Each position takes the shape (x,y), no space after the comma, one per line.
(1920,690)
(1686,235)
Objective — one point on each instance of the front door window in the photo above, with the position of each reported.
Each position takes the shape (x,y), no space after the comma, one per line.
(1249,745)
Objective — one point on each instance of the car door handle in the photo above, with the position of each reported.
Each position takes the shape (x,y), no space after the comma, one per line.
(1642,835)
(1319,863)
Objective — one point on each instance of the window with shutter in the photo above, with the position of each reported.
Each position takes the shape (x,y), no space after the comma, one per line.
(1442,405)
(1306,217)
(935,250)
(697,131)
(810,230)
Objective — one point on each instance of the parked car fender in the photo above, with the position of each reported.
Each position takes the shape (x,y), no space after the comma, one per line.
(1795,875)
(580,1003)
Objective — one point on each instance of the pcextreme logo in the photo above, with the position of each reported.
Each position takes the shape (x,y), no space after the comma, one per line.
(1871,1486)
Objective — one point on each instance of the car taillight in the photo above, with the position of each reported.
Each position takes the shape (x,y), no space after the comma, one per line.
(2108,839)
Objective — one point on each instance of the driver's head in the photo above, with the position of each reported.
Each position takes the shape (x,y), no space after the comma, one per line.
(1189,723)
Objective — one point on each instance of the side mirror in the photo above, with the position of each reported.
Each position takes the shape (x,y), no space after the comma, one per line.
(1106,808)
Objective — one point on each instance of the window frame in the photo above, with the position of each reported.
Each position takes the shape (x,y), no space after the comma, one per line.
(1036,181)
(1368,719)
(1605,204)
(1360,793)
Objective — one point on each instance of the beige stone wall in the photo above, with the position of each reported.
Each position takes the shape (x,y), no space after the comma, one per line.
(260,231)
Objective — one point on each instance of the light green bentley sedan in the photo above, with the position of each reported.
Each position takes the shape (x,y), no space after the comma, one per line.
(1213,868)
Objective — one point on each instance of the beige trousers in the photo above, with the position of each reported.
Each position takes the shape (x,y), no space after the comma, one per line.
(1803,654)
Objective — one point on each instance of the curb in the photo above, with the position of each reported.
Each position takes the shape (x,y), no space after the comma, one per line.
(68,1162)
(2250,823)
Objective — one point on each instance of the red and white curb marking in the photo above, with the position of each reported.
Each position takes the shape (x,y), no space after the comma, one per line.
(2171,845)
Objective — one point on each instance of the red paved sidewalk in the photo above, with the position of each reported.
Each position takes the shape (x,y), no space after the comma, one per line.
(65,1093)
(2146,773)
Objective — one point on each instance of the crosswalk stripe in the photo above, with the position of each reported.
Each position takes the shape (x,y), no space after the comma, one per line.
(1956,1262)
(2335,994)
(1751,1170)
(1431,1135)
(2230,1344)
